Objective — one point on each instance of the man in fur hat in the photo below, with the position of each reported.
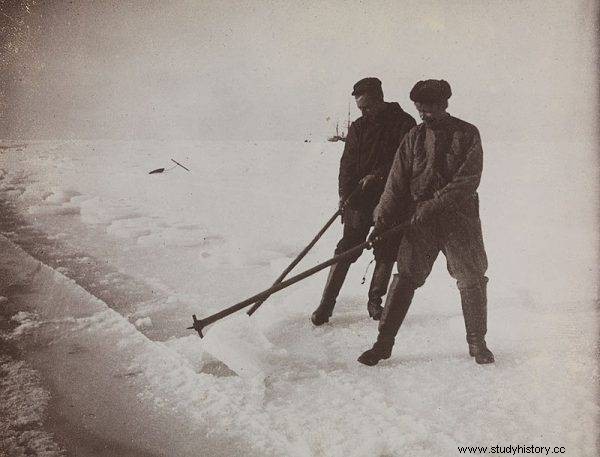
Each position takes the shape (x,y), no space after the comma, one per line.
(371,143)
(433,184)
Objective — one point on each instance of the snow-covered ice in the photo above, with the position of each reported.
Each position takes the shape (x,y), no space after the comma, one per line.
(159,248)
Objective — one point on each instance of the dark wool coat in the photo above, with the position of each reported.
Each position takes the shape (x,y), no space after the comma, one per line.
(440,164)
(369,150)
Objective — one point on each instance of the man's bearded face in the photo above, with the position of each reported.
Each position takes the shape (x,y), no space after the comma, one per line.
(430,112)
(369,105)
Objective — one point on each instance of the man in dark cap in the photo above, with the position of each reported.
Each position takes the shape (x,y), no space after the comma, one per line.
(371,143)
(433,184)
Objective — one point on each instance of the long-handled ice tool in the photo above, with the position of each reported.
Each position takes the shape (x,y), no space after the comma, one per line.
(199,324)
(310,245)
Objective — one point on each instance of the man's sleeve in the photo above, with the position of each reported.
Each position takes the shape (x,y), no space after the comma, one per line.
(348,179)
(383,167)
(465,180)
(396,194)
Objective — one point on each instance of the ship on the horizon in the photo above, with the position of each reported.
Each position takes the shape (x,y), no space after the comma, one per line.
(337,136)
(341,136)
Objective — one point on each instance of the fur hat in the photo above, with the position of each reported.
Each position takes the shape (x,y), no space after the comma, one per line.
(366,85)
(431,91)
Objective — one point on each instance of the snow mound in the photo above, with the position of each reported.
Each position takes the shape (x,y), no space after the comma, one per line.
(60,196)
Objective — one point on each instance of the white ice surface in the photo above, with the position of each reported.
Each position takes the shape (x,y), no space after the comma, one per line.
(212,237)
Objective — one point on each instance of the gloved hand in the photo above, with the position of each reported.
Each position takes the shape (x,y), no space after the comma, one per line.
(342,207)
(375,233)
(424,213)
(369,181)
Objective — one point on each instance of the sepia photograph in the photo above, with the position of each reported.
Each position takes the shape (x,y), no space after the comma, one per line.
(275,228)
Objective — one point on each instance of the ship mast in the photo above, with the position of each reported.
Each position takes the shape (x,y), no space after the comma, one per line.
(348,124)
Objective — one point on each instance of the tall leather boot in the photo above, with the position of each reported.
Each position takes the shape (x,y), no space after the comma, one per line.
(474,306)
(378,287)
(337,274)
(397,303)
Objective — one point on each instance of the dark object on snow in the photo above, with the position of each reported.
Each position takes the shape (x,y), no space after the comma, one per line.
(175,161)
(366,85)
(308,248)
(161,170)
(431,91)
(199,325)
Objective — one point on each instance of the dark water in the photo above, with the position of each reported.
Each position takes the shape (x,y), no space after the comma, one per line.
(121,294)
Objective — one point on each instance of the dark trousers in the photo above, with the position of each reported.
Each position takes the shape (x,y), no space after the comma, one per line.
(357,224)
(461,241)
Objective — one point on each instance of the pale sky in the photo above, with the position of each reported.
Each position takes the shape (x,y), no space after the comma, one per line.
(520,70)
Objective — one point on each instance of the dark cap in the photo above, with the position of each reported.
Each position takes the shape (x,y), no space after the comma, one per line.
(366,85)
(431,91)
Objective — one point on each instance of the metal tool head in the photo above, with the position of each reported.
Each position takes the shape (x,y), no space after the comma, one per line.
(198,325)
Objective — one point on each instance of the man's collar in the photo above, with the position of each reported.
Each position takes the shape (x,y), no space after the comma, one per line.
(440,122)
(382,115)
